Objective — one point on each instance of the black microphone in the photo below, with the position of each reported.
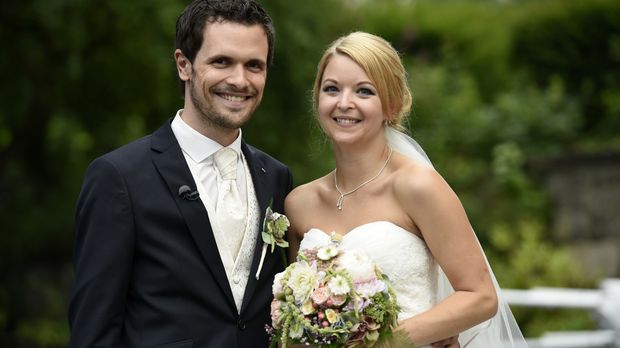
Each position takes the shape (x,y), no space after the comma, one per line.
(186,193)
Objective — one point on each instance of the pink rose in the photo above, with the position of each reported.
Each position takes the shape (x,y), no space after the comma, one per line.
(276,313)
(338,300)
(320,295)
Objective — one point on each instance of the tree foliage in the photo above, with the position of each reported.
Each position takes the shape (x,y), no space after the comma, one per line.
(495,84)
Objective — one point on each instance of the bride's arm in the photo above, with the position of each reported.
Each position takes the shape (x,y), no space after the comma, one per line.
(293,209)
(440,218)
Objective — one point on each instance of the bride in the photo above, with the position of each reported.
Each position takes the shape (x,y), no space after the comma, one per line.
(387,200)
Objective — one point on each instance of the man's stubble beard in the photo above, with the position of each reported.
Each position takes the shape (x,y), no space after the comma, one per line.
(209,115)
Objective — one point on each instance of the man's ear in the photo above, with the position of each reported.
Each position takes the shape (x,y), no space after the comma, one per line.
(184,66)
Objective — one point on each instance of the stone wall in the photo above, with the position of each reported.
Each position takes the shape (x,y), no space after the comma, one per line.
(585,193)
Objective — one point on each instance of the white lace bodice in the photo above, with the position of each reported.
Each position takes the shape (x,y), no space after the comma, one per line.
(400,254)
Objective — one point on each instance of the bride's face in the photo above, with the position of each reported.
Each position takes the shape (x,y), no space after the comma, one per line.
(348,104)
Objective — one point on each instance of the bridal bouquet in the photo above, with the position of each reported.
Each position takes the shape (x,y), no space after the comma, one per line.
(332,297)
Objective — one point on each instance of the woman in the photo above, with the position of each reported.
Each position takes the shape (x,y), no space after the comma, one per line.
(387,200)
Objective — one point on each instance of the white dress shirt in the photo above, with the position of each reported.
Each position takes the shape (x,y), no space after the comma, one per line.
(198,151)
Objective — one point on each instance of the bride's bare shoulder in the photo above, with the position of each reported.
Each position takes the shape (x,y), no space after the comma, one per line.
(301,202)
(414,179)
(305,192)
(307,195)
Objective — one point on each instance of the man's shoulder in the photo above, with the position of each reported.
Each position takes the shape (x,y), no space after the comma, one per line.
(132,150)
(142,147)
(125,161)
(265,158)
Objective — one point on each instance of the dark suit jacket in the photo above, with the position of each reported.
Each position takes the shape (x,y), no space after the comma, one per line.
(147,268)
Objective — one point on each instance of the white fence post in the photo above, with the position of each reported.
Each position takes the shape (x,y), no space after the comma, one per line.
(609,309)
(605,302)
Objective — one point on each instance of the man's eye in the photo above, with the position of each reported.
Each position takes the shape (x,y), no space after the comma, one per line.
(219,61)
(255,66)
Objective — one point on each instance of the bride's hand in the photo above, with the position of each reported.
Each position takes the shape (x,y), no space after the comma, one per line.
(452,342)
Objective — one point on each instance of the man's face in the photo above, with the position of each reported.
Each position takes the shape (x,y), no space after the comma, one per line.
(228,74)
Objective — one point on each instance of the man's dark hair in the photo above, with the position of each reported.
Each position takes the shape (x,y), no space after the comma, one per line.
(191,24)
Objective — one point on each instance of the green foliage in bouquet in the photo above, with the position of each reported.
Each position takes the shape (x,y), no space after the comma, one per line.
(332,297)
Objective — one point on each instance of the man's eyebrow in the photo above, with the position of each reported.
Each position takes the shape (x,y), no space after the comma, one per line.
(216,57)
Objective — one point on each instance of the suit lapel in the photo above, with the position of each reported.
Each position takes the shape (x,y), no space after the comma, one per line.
(263,196)
(169,161)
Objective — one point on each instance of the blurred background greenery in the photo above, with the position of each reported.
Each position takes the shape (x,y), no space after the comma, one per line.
(496,85)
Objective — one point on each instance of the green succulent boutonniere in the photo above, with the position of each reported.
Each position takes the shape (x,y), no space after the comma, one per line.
(274,229)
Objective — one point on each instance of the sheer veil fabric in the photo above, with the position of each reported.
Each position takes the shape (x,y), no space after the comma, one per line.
(501,330)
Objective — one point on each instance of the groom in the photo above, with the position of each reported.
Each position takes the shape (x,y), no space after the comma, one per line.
(168,227)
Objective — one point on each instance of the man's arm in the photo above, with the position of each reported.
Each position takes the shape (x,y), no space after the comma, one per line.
(103,253)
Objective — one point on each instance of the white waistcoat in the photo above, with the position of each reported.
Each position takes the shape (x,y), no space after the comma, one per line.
(237,270)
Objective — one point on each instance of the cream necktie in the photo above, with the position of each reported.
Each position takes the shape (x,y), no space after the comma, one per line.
(229,208)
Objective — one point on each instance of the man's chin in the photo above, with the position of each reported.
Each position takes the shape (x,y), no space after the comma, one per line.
(237,119)
(232,122)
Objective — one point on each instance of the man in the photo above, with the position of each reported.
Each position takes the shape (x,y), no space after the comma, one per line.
(168,227)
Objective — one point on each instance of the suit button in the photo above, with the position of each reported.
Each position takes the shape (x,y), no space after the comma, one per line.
(241,325)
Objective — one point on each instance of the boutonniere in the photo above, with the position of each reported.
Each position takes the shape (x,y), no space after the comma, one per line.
(274,229)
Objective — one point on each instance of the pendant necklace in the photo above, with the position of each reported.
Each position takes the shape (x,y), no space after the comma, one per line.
(342,195)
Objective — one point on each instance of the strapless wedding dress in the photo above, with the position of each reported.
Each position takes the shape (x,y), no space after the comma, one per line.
(419,283)
(415,278)
(400,254)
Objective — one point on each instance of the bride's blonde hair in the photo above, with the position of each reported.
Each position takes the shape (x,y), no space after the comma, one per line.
(381,63)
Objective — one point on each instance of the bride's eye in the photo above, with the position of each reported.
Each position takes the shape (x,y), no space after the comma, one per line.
(330,89)
(365,91)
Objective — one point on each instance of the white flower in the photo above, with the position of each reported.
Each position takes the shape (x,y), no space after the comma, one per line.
(369,289)
(327,253)
(276,288)
(303,279)
(339,285)
(359,266)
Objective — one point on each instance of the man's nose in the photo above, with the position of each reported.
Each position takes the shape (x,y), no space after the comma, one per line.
(238,76)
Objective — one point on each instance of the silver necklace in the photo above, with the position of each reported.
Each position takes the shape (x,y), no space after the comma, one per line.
(342,195)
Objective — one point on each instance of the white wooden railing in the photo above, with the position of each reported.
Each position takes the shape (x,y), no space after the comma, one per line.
(603,302)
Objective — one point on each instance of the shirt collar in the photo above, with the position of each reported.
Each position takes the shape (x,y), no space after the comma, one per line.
(197,146)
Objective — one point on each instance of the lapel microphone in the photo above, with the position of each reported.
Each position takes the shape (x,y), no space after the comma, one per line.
(187,194)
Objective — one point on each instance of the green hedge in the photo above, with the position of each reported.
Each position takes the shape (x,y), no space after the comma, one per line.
(495,84)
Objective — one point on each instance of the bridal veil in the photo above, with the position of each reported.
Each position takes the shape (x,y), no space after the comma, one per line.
(501,331)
